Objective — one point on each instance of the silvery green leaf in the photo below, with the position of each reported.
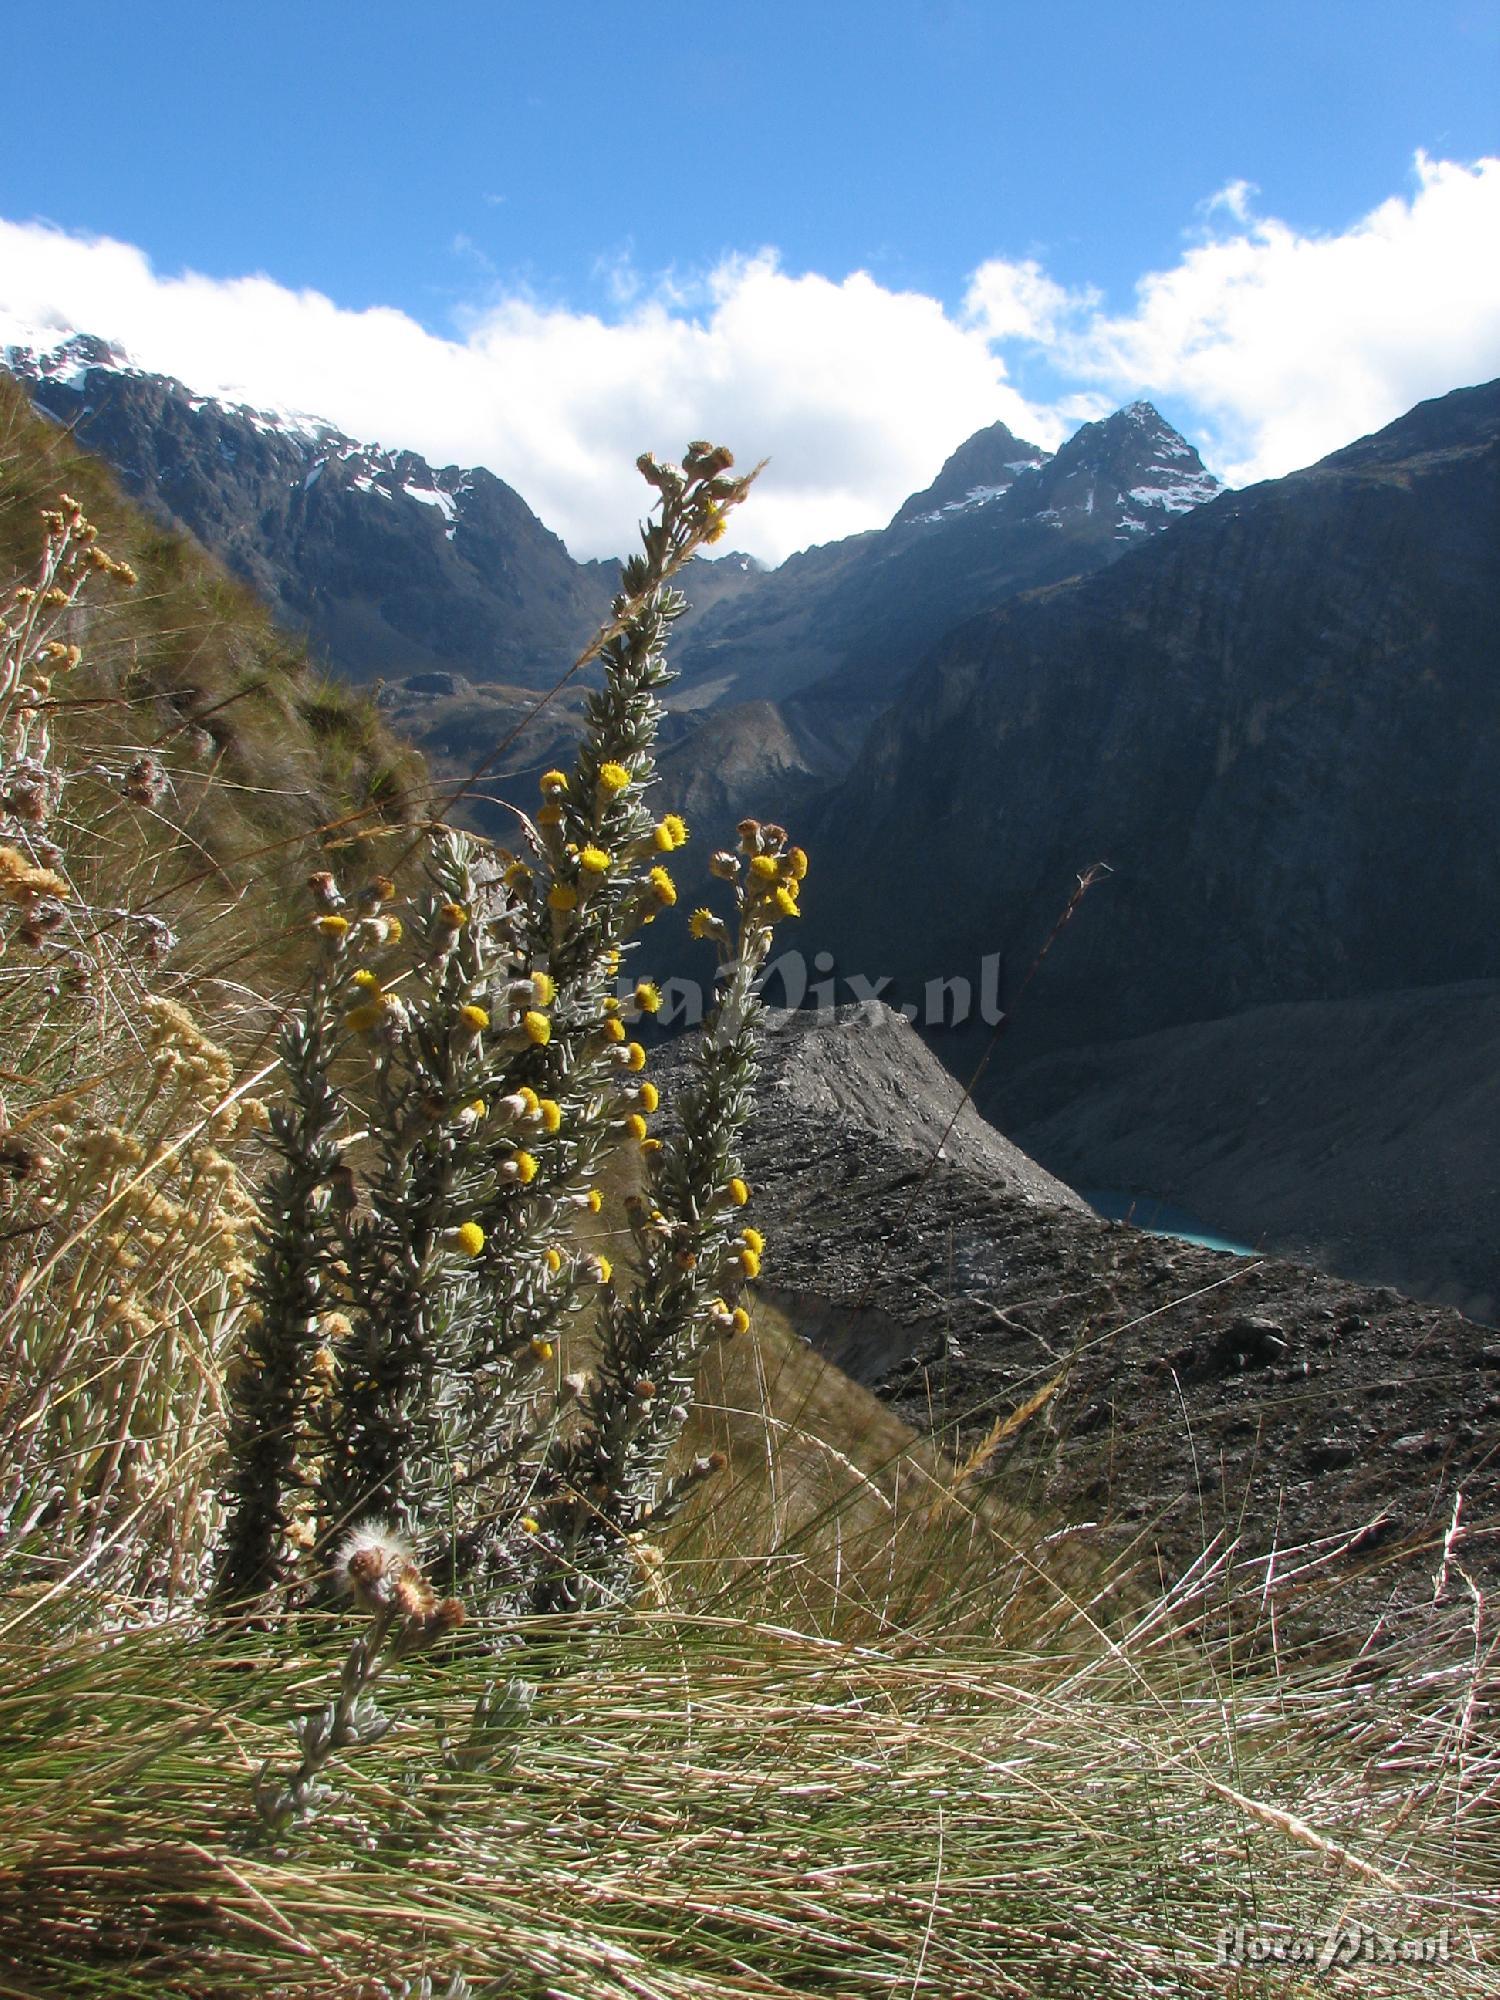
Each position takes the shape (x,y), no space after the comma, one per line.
(313,1731)
(367,1723)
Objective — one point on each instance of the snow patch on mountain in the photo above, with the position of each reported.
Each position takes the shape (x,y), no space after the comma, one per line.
(1180,495)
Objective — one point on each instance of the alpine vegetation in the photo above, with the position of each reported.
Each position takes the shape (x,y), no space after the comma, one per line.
(461,1078)
(128,1225)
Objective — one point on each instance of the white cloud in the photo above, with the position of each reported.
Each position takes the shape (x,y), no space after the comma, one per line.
(1287,345)
(1019,301)
(1272,345)
(1234,198)
(855,393)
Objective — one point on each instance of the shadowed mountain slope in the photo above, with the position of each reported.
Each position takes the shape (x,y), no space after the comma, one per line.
(1277,723)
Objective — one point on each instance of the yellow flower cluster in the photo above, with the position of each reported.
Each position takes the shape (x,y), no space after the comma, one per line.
(669,834)
(776,872)
(537,1028)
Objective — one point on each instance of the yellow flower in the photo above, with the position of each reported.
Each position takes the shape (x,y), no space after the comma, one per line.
(613,1029)
(663,887)
(553,783)
(530,1525)
(561,897)
(453,916)
(553,1260)
(542,1349)
(764,865)
(717,522)
(635,1125)
(613,778)
(331,927)
(749,1262)
(648,1097)
(594,861)
(522,1167)
(741,1320)
(538,1028)
(670,833)
(601,1268)
(551,1112)
(635,1057)
(739,1191)
(364,979)
(543,988)
(703,923)
(752,1239)
(363,1018)
(394,930)
(469,1238)
(530,1099)
(594,1200)
(647,997)
(516,876)
(795,863)
(786,903)
(475,1019)
(651,1145)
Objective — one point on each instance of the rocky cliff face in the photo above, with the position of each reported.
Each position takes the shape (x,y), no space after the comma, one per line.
(1277,723)
(390,566)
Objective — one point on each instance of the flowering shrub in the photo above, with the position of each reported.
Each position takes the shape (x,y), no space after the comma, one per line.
(462,1081)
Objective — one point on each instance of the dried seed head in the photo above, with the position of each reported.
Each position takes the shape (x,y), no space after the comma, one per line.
(370,1562)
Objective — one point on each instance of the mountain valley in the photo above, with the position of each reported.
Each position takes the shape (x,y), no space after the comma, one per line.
(1269,712)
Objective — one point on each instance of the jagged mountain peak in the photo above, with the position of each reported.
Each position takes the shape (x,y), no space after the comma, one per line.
(1137,430)
(983,467)
(1132,464)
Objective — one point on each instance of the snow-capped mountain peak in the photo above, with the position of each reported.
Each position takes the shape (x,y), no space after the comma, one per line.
(64,357)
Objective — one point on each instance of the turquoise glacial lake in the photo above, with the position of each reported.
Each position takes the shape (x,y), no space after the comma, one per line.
(1160,1218)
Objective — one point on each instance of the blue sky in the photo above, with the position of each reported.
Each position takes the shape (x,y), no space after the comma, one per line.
(593,161)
